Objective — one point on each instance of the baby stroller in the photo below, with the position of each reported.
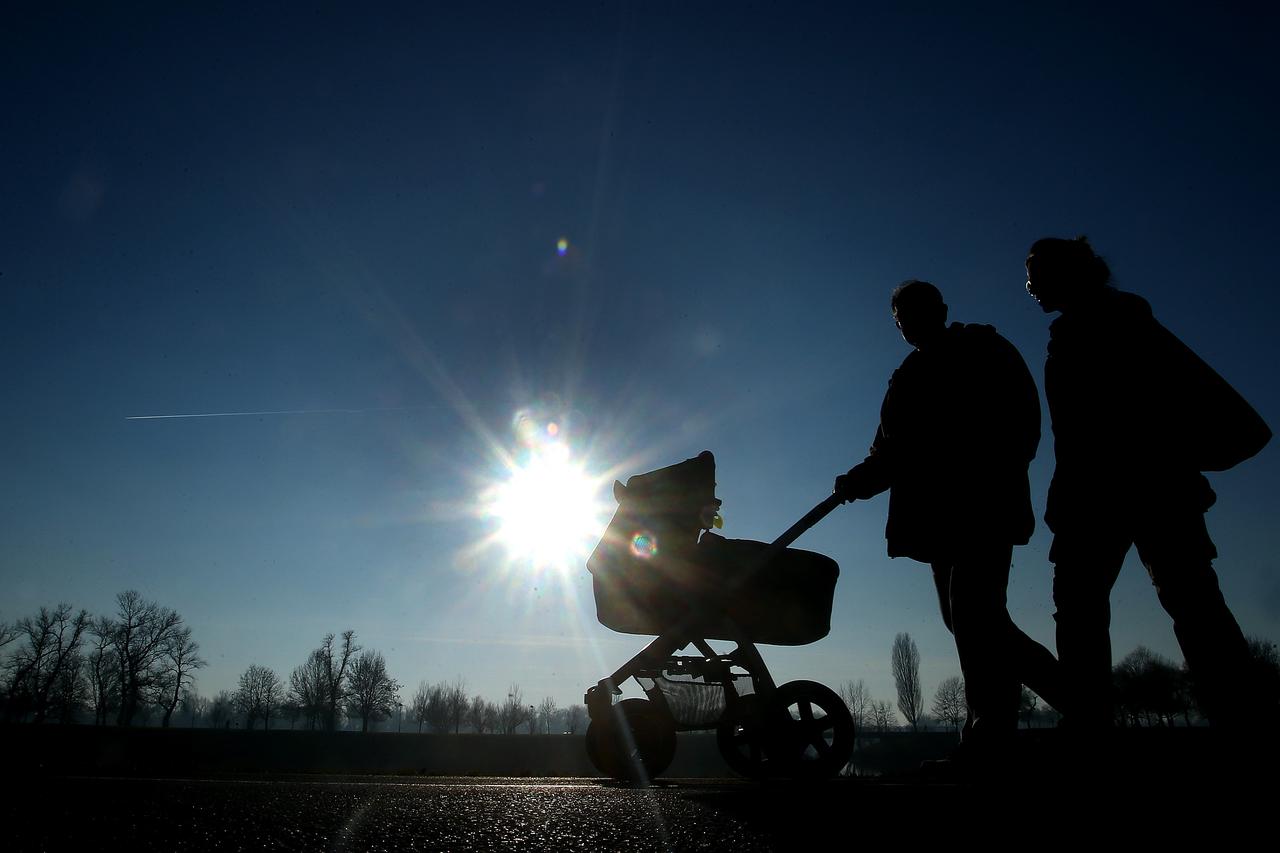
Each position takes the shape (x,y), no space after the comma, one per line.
(659,570)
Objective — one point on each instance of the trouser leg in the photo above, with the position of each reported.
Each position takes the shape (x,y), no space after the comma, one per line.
(942,583)
(985,639)
(1086,565)
(1036,667)
(1178,555)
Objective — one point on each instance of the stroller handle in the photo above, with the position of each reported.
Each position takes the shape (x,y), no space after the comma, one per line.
(811,518)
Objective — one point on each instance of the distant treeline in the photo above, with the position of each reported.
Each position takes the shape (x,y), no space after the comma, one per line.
(138,667)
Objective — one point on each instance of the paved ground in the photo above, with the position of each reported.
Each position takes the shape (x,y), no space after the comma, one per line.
(392,813)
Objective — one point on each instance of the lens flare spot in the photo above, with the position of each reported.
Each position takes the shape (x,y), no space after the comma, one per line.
(538,432)
(562,246)
(644,545)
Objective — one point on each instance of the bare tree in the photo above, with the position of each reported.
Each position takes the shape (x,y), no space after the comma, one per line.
(334,665)
(949,704)
(308,688)
(373,693)
(858,698)
(193,706)
(70,692)
(492,716)
(574,718)
(514,712)
(8,633)
(906,677)
(475,714)
(455,702)
(175,670)
(258,695)
(142,630)
(547,710)
(47,662)
(420,706)
(437,708)
(883,717)
(220,708)
(102,670)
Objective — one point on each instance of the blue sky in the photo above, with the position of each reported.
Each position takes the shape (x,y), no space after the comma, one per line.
(320,209)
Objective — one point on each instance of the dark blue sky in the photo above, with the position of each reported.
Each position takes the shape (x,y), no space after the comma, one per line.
(316,209)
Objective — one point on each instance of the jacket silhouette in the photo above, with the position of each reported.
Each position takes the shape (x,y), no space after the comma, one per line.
(959,425)
(1136,415)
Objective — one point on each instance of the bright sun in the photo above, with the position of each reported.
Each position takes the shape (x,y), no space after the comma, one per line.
(547,510)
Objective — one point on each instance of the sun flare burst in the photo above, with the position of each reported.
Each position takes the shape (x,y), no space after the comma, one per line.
(548,509)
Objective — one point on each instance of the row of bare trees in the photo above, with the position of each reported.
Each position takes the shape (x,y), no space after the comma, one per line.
(444,707)
(62,661)
(371,696)
(339,679)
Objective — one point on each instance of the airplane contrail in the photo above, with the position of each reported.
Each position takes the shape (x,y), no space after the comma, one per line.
(282,412)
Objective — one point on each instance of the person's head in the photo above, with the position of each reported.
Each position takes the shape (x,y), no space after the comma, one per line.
(919,311)
(1061,273)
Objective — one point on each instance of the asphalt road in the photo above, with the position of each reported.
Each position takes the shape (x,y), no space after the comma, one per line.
(408,813)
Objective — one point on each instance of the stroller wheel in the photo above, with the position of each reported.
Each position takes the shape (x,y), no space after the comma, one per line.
(812,737)
(634,742)
(742,739)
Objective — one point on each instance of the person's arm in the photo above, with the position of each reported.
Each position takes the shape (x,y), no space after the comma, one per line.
(869,477)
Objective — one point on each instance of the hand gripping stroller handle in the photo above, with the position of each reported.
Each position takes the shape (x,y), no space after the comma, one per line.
(811,518)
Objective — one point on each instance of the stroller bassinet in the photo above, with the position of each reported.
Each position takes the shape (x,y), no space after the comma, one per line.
(652,572)
(659,570)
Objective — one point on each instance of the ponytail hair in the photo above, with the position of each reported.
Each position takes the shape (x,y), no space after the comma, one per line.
(1074,258)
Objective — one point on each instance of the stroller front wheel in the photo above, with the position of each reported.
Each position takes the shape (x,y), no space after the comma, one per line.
(810,731)
(634,742)
(742,737)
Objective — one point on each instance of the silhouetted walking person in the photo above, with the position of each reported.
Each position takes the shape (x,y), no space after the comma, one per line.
(958,427)
(1136,417)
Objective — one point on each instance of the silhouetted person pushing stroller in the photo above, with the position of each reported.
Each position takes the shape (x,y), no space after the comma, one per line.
(1136,417)
(959,425)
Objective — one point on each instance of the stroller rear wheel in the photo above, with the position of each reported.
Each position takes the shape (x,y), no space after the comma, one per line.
(634,742)
(810,733)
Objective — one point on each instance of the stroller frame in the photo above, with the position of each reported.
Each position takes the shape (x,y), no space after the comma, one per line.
(801,729)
